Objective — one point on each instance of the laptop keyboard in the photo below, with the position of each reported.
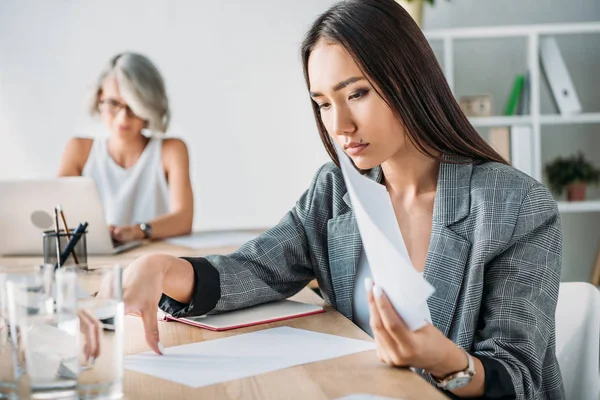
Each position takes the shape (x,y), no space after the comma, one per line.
(117,243)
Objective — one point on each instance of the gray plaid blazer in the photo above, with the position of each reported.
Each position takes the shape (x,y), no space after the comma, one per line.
(494,259)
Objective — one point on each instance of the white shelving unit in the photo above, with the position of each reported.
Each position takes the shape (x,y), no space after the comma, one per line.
(578,206)
(557,119)
(488,122)
(532,34)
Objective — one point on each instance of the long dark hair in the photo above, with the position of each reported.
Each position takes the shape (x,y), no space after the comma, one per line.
(393,53)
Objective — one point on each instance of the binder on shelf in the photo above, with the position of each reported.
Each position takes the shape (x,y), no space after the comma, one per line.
(524,100)
(558,77)
(515,93)
(521,148)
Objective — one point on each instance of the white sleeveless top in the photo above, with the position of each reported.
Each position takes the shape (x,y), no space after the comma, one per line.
(133,195)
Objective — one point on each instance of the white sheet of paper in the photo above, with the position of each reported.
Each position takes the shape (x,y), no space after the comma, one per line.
(204,240)
(384,246)
(241,356)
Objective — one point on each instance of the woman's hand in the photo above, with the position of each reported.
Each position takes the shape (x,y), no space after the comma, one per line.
(142,287)
(127,233)
(397,345)
(91,329)
(145,280)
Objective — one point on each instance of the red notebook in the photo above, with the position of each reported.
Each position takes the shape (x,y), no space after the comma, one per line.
(261,314)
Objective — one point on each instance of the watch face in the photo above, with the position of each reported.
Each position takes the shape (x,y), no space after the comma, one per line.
(458,382)
(147,229)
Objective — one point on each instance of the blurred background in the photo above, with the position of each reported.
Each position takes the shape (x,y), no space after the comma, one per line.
(234,79)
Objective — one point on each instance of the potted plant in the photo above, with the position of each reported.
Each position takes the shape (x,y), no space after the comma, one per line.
(415,9)
(573,173)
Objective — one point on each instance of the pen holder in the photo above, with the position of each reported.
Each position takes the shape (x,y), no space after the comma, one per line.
(50,249)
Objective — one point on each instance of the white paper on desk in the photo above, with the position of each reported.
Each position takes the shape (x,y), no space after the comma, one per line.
(204,240)
(384,246)
(241,356)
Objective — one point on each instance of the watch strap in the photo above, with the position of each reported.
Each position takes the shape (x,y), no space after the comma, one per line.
(146,229)
(469,372)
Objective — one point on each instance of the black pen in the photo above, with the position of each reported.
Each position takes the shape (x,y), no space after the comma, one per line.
(72,243)
(67,231)
(57,230)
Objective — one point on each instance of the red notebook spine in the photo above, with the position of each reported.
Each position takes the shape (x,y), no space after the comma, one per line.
(227,328)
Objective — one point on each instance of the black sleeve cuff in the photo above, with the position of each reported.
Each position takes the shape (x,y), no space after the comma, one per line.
(207,291)
(497,386)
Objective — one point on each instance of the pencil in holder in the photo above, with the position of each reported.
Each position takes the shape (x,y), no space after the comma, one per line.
(76,257)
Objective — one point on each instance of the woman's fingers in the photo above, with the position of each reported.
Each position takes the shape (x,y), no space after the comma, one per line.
(393,323)
(142,289)
(116,233)
(387,348)
(91,328)
(151,330)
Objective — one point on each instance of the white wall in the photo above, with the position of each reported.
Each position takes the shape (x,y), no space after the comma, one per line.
(233,74)
(234,77)
(490,66)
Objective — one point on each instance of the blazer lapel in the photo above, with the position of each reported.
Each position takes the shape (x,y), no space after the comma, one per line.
(448,251)
(446,258)
(345,246)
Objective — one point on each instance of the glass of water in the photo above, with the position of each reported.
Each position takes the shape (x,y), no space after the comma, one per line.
(8,376)
(100,297)
(44,329)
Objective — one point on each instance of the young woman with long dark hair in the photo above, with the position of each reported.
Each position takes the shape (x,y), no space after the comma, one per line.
(485,235)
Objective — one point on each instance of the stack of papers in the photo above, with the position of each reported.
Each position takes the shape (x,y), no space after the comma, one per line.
(221,360)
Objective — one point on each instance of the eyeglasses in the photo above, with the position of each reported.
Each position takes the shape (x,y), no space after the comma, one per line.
(113,107)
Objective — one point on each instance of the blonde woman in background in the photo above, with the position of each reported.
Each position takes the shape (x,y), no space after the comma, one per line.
(143,180)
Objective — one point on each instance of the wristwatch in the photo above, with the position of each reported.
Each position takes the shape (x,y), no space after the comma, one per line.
(147,229)
(458,379)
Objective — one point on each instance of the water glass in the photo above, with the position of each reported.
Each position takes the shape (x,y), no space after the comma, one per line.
(12,382)
(8,378)
(44,332)
(102,376)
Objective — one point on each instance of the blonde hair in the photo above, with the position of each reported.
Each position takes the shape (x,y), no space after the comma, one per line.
(140,85)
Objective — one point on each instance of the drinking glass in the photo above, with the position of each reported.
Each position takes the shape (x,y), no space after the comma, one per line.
(44,329)
(102,374)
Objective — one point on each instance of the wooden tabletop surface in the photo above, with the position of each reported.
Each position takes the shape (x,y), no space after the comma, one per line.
(329,379)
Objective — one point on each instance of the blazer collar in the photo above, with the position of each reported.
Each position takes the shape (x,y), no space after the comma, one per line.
(447,255)
(453,195)
(375,174)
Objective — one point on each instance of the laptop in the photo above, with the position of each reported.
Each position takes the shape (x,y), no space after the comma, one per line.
(27,210)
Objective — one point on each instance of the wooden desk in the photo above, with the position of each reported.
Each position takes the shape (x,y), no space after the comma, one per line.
(330,379)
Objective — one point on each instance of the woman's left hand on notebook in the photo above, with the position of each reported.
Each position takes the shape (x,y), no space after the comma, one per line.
(397,345)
